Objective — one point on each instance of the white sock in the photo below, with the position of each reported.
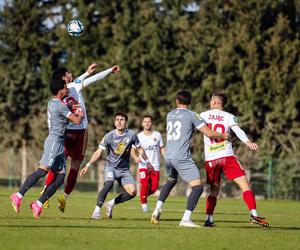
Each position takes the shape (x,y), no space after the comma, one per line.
(144,205)
(97,209)
(187,215)
(19,195)
(159,205)
(66,195)
(112,202)
(210,217)
(253,212)
(40,204)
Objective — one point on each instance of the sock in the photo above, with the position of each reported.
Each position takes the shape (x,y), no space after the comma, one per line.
(187,215)
(97,209)
(51,189)
(108,185)
(66,195)
(144,205)
(40,204)
(71,180)
(210,218)
(253,212)
(50,178)
(249,199)
(194,197)
(165,190)
(31,180)
(211,202)
(122,197)
(159,205)
(19,195)
(144,191)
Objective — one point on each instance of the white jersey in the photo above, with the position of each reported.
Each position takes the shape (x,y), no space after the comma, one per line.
(151,144)
(220,121)
(75,89)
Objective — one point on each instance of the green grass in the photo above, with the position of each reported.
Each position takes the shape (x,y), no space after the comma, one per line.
(131,229)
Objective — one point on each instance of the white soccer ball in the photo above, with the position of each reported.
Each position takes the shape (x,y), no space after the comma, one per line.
(75,28)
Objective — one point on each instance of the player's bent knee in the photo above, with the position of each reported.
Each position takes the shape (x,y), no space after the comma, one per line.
(109,185)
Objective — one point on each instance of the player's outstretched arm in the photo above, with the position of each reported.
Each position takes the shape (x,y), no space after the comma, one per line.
(100,75)
(142,153)
(213,134)
(96,155)
(243,137)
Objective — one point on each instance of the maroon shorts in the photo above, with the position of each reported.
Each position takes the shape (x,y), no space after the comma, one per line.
(75,143)
(228,165)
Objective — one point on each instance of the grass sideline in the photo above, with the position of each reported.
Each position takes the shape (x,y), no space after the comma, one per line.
(131,229)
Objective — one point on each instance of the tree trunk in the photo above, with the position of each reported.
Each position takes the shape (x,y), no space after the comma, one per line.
(24,160)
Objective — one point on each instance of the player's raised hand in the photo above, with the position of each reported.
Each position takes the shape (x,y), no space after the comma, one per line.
(92,68)
(252,145)
(115,69)
(84,170)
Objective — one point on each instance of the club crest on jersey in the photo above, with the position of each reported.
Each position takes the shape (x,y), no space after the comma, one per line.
(77,81)
(154,139)
(126,139)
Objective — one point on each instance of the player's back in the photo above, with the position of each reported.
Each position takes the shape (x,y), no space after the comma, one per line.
(181,124)
(220,121)
(57,113)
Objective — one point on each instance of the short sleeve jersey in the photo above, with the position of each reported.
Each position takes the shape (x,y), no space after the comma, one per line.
(58,114)
(118,148)
(181,124)
(75,89)
(151,144)
(220,121)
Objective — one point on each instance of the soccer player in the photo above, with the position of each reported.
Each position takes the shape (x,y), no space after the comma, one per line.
(77,136)
(219,157)
(181,123)
(151,141)
(118,143)
(53,157)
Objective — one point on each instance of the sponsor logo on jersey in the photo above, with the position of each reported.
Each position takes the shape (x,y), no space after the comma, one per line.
(77,81)
(120,148)
(217,147)
(151,148)
(219,118)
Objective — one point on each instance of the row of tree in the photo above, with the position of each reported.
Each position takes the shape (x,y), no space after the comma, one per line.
(249,48)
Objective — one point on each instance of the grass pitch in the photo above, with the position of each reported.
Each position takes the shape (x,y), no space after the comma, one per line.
(131,229)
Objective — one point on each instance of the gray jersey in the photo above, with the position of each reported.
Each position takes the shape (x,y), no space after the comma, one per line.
(119,147)
(58,114)
(181,124)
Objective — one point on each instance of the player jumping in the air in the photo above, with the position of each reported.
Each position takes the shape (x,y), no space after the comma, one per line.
(118,143)
(151,141)
(53,157)
(181,124)
(77,136)
(219,157)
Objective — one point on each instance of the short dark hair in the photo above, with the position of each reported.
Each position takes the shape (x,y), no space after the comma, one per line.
(222,96)
(184,97)
(147,116)
(59,73)
(57,85)
(123,115)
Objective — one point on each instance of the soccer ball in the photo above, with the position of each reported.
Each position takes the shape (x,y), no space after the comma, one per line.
(75,28)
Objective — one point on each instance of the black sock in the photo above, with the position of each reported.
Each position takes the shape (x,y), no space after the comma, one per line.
(51,188)
(122,197)
(194,197)
(166,189)
(31,180)
(108,185)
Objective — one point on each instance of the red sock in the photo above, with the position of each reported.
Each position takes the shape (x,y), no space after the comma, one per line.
(249,199)
(71,181)
(144,192)
(50,178)
(211,203)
